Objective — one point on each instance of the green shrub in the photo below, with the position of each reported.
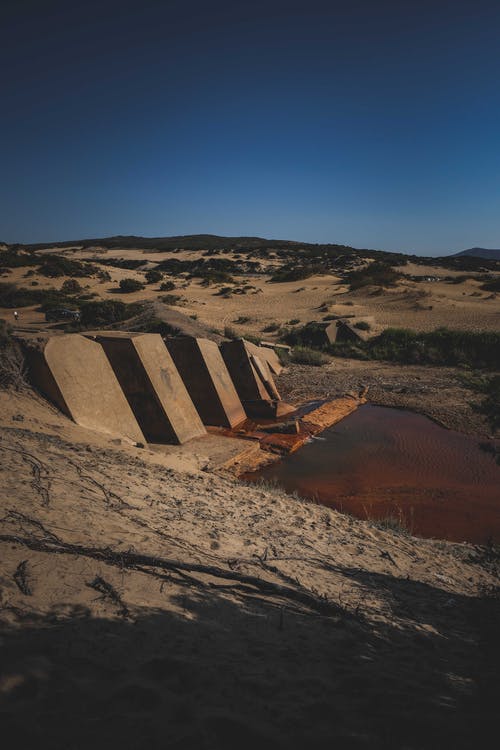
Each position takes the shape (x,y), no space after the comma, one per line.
(130,285)
(303,355)
(271,328)
(362,325)
(440,347)
(490,387)
(12,297)
(71,286)
(153,276)
(107,312)
(242,319)
(492,286)
(167,286)
(12,369)
(296,273)
(53,266)
(377,273)
(311,335)
(253,339)
(156,325)
(225,291)
(170,299)
(12,258)
(230,333)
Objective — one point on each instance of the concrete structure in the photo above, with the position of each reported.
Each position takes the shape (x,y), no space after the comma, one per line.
(344,330)
(272,359)
(75,374)
(323,334)
(207,380)
(253,380)
(152,385)
(242,371)
(259,360)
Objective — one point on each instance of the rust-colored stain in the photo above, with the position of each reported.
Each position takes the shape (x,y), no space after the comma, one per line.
(283,443)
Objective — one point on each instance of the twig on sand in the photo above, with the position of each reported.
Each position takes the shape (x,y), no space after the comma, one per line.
(21,578)
(108,591)
(150,565)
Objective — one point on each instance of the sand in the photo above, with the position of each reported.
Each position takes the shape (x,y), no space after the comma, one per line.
(144,605)
(421,306)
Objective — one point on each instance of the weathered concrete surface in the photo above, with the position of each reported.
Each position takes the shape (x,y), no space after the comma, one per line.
(260,363)
(253,380)
(267,408)
(243,373)
(272,359)
(152,385)
(344,330)
(75,374)
(206,377)
(218,451)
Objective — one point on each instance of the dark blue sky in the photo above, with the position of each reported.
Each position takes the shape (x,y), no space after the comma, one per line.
(375,124)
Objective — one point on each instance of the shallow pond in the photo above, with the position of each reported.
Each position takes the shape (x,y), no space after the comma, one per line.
(381,463)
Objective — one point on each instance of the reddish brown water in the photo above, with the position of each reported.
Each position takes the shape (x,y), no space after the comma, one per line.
(381,462)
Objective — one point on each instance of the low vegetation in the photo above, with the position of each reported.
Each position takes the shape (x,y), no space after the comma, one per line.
(153,276)
(442,347)
(130,285)
(296,273)
(303,355)
(374,274)
(71,286)
(107,312)
(490,388)
(12,368)
(492,286)
(170,299)
(54,266)
(13,297)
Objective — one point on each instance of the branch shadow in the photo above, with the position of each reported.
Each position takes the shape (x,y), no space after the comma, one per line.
(214,672)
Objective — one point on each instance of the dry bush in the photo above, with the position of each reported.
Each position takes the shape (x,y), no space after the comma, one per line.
(12,365)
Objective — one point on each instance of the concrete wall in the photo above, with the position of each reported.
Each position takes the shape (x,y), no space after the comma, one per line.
(152,386)
(207,380)
(75,374)
(243,373)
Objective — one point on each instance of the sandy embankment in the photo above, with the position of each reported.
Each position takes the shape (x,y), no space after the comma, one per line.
(148,607)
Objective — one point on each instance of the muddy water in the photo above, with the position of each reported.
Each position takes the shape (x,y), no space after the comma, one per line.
(382,462)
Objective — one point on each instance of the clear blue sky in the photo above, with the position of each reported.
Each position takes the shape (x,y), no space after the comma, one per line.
(370,123)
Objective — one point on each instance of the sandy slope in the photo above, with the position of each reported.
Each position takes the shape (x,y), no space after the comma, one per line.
(144,607)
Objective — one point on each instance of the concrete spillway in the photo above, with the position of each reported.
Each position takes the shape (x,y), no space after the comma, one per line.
(152,386)
(207,379)
(75,374)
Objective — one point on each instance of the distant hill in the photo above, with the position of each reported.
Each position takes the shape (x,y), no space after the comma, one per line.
(479,252)
(326,255)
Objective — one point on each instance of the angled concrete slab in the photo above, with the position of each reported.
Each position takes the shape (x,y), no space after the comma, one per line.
(272,359)
(245,377)
(152,385)
(75,374)
(253,380)
(206,377)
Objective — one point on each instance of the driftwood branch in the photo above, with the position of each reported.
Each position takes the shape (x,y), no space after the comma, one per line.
(147,564)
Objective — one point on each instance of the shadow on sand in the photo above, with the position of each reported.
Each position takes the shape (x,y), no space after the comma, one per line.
(218,673)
